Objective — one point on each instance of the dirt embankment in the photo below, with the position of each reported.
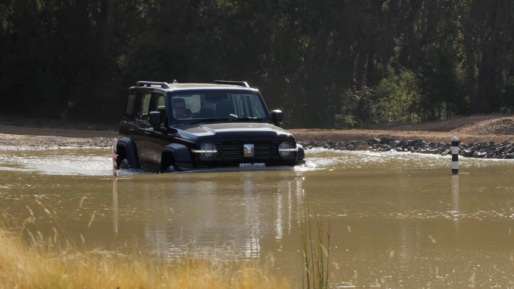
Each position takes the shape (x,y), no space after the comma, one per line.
(13,137)
(497,128)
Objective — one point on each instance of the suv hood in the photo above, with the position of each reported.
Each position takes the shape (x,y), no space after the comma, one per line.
(232,130)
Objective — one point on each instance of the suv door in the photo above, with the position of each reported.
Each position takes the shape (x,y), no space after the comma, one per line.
(141,129)
(128,122)
(158,139)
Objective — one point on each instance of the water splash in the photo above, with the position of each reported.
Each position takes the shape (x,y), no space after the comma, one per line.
(94,162)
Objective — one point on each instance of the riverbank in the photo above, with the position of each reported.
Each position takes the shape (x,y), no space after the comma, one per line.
(488,136)
(486,146)
(44,142)
(488,150)
(480,134)
(325,135)
(41,138)
(477,128)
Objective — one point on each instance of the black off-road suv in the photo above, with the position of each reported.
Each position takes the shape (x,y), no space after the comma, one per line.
(178,127)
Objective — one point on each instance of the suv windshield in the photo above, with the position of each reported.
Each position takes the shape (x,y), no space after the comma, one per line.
(217,106)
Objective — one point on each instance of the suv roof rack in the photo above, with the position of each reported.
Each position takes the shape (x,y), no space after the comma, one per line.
(150,83)
(240,83)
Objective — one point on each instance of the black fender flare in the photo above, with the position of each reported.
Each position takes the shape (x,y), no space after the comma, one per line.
(130,149)
(300,154)
(180,154)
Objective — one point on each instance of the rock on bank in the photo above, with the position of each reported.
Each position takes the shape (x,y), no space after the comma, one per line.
(489,150)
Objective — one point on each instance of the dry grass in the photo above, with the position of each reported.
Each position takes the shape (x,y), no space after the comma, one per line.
(476,128)
(315,253)
(447,125)
(41,262)
(504,125)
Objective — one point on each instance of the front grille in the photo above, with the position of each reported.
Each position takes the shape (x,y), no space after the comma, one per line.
(233,152)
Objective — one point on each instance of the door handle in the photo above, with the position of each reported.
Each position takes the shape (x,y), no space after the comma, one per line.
(132,130)
(147,132)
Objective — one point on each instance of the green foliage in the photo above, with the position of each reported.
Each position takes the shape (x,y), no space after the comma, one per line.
(326,63)
(396,97)
(406,97)
(345,121)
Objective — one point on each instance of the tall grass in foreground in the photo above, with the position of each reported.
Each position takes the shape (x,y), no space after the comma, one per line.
(41,262)
(315,254)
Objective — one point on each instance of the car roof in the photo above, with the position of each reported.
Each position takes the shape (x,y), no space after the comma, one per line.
(196,86)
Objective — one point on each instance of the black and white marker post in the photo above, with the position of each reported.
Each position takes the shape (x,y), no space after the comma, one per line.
(455,156)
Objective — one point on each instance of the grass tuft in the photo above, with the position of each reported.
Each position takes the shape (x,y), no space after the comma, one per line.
(315,253)
(51,262)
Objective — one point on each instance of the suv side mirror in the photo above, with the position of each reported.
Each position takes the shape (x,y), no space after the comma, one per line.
(155,119)
(276,117)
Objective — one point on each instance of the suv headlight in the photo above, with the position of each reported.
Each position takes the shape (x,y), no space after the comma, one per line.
(285,149)
(208,151)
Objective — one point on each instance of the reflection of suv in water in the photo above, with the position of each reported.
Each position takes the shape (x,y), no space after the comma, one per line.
(173,127)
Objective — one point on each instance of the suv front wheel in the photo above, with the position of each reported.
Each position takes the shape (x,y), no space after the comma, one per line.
(168,164)
(170,169)
(124,164)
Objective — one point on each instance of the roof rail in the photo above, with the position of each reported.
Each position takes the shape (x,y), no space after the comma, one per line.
(240,83)
(150,83)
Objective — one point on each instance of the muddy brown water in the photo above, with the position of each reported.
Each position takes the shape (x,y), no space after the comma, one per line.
(397,220)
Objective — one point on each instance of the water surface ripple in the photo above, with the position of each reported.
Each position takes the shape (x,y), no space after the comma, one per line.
(397,219)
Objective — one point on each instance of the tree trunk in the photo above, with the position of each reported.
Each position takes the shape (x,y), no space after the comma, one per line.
(108,26)
(470,63)
(359,73)
(181,17)
(489,54)
(393,6)
(104,18)
(483,76)
(415,45)
(371,66)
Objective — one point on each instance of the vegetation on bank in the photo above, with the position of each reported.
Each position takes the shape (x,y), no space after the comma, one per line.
(48,262)
(31,260)
(326,64)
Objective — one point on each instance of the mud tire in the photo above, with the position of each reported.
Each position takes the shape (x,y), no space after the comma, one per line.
(124,164)
(170,169)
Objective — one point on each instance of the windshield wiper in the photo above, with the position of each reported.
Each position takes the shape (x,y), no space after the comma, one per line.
(205,120)
(220,119)
(245,119)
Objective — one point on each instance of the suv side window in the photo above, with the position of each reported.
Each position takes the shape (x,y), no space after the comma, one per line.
(129,110)
(161,106)
(145,105)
